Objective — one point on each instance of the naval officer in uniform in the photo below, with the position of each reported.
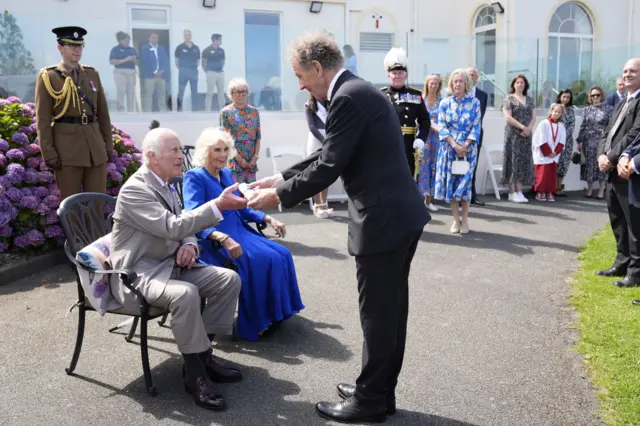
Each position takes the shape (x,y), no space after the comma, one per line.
(410,107)
(73,121)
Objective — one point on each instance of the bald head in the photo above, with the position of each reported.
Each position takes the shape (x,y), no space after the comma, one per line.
(162,153)
(473,73)
(631,75)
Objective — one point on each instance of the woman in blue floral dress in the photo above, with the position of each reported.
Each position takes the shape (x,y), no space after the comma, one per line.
(243,122)
(459,130)
(427,173)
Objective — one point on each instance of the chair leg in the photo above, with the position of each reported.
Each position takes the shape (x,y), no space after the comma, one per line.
(144,354)
(121,325)
(79,337)
(132,331)
(163,321)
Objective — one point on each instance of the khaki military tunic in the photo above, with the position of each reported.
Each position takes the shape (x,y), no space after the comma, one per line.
(82,136)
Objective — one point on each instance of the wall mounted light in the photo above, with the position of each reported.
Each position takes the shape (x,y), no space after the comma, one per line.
(316,7)
(209,3)
(497,7)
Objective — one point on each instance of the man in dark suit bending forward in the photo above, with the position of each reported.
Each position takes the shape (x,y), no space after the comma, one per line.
(364,146)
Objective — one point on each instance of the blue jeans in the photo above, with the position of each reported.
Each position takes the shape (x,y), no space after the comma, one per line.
(187,75)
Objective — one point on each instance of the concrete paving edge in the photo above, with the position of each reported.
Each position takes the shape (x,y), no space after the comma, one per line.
(33,265)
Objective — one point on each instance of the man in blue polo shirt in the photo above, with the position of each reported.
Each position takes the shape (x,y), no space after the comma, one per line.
(154,72)
(213,65)
(187,57)
(123,57)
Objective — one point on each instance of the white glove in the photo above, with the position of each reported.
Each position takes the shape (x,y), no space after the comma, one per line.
(418,144)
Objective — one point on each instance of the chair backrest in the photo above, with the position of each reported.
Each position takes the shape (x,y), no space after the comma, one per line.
(278,152)
(85,217)
(493,155)
(187,164)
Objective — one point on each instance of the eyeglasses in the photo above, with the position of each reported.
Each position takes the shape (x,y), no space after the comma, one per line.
(240,92)
(596,95)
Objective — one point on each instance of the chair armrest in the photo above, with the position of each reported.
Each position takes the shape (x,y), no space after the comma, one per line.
(261,227)
(127,275)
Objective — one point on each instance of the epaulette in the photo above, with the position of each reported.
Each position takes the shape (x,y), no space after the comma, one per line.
(414,89)
(384,88)
(88,67)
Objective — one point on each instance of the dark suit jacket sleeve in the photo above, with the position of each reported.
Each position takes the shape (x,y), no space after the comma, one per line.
(629,138)
(310,122)
(636,161)
(611,100)
(320,170)
(483,102)
(424,121)
(603,139)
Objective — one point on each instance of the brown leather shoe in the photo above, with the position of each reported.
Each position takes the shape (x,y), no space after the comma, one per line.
(204,394)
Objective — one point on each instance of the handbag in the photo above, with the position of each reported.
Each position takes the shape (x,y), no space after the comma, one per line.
(579,158)
(460,167)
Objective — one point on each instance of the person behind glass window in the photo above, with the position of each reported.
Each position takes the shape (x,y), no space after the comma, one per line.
(213,59)
(187,57)
(316,114)
(124,57)
(154,72)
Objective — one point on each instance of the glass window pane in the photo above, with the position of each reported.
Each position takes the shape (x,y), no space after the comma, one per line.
(157,16)
(587,59)
(554,25)
(569,61)
(263,59)
(552,64)
(564,12)
(486,51)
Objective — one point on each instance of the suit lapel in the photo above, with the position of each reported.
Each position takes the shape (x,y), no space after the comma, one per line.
(153,183)
(343,77)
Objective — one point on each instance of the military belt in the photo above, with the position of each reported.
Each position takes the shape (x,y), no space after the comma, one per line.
(408,130)
(85,119)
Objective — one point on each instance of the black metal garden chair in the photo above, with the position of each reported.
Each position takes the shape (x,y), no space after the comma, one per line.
(84,219)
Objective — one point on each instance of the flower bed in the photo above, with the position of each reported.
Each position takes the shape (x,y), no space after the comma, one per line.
(29,196)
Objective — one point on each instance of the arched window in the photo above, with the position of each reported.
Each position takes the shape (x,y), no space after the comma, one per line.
(570,46)
(484,31)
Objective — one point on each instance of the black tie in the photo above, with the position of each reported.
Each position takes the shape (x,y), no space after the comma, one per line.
(325,104)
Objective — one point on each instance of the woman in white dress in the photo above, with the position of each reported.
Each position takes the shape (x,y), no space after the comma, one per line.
(316,115)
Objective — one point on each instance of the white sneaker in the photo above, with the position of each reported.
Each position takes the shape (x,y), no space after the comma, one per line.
(432,207)
(513,197)
(522,198)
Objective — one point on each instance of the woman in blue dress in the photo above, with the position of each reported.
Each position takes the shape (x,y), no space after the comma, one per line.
(270,292)
(427,174)
(459,130)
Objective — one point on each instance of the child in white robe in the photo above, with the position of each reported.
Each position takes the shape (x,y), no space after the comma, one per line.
(548,142)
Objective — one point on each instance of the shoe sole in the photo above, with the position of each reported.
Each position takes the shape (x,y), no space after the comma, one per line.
(343,396)
(373,419)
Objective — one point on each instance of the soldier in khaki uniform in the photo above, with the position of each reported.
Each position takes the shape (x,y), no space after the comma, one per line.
(73,121)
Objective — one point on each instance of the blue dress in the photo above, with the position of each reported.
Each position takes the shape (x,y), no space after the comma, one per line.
(427,175)
(460,121)
(269,285)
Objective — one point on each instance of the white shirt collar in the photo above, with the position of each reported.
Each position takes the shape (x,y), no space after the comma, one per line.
(333,82)
(633,95)
(162,183)
(473,90)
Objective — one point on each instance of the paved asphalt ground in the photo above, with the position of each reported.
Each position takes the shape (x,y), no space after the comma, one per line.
(490,337)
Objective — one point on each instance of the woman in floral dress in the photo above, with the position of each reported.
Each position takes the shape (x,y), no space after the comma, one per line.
(427,173)
(517,166)
(459,131)
(243,122)
(565,98)
(595,119)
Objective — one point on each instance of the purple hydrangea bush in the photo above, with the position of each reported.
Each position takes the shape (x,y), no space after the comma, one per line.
(29,196)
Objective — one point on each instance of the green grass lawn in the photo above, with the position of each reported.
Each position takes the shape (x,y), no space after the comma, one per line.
(609,328)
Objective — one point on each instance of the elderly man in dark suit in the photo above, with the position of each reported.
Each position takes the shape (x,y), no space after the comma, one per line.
(623,129)
(483,97)
(621,92)
(364,146)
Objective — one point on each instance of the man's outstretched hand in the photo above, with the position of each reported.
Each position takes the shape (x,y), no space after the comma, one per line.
(230,201)
(268,182)
(264,199)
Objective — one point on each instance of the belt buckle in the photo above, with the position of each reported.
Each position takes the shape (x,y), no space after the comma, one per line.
(84,119)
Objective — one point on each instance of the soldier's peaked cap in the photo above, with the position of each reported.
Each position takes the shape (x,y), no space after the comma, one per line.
(70,35)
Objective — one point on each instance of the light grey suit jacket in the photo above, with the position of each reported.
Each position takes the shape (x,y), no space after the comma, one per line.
(146,234)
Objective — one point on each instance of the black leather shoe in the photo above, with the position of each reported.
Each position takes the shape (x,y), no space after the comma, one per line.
(612,272)
(346,390)
(628,282)
(477,202)
(204,394)
(220,374)
(351,410)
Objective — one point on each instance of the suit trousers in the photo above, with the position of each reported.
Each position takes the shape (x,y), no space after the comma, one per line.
(181,297)
(74,180)
(125,79)
(215,81)
(383,287)
(625,222)
(473,180)
(157,86)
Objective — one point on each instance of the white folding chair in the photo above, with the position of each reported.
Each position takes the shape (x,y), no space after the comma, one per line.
(277,153)
(492,168)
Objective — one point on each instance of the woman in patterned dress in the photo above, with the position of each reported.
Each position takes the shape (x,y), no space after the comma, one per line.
(595,119)
(517,166)
(459,131)
(243,122)
(427,173)
(565,98)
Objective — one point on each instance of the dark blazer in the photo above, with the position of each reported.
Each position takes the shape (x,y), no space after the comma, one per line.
(613,99)
(364,146)
(314,123)
(625,135)
(483,97)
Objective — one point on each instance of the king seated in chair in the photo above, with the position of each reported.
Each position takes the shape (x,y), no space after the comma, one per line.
(155,239)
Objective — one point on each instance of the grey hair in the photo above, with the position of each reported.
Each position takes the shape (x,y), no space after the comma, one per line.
(152,142)
(317,46)
(468,83)
(208,138)
(237,83)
